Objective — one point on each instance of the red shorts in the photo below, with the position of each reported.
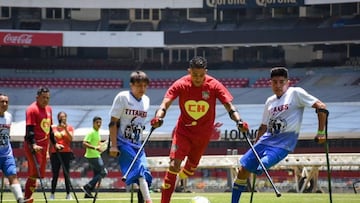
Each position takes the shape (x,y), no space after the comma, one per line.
(183,146)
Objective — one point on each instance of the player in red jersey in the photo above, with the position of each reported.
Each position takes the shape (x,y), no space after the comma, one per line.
(197,93)
(38,132)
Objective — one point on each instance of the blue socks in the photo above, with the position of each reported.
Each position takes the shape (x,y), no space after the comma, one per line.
(238,187)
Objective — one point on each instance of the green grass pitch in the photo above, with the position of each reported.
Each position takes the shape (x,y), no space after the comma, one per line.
(109,197)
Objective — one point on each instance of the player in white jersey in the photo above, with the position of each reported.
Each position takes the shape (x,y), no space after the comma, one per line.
(279,130)
(7,160)
(128,114)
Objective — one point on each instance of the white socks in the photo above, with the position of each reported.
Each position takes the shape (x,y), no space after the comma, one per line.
(144,188)
(16,190)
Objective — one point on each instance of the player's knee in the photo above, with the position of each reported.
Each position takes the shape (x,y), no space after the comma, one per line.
(243,173)
(175,166)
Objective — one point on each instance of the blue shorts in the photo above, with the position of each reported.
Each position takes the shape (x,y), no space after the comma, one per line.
(269,156)
(139,169)
(7,165)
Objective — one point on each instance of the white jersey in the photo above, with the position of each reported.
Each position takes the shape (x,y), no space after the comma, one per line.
(5,146)
(132,114)
(283,117)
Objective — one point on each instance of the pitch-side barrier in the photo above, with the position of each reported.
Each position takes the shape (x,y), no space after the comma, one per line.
(304,165)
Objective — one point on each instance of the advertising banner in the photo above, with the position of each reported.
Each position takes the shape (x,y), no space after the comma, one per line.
(30,39)
(233,4)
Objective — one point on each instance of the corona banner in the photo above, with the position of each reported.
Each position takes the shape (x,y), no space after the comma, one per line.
(233,4)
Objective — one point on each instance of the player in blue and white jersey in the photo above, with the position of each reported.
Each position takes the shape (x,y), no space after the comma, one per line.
(7,160)
(279,130)
(128,113)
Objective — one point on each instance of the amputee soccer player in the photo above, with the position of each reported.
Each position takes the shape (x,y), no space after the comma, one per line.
(7,160)
(197,93)
(37,135)
(279,130)
(127,122)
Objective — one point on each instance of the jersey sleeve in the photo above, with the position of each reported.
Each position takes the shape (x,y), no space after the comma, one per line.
(31,116)
(117,106)
(173,91)
(223,93)
(304,98)
(266,115)
(87,137)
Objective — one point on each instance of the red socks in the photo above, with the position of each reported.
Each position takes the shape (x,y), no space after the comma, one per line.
(30,187)
(168,186)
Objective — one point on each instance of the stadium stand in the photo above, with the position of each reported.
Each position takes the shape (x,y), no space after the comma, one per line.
(55,24)
(140,26)
(6,24)
(101,83)
(234,82)
(117,27)
(161,83)
(84,25)
(265,82)
(228,82)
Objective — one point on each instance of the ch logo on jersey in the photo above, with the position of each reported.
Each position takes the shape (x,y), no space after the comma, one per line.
(196,109)
(45,125)
(277,125)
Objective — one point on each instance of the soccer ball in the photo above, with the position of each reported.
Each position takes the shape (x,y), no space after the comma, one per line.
(199,199)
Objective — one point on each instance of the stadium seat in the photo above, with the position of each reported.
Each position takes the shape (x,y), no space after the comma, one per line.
(107,83)
(234,82)
(161,83)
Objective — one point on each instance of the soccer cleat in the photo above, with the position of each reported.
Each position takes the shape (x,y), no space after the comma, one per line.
(180,189)
(87,191)
(88,196)
(29,200)
(68,197)
(52,196)
(20,200)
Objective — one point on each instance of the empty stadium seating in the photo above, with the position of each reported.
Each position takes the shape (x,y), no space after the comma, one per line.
(264,82)
(84,25)
(106,83)
(56,24)
(140,26)
(227,82)
(234,82)
(161,83)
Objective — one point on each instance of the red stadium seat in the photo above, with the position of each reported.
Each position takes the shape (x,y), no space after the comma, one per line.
(62,82)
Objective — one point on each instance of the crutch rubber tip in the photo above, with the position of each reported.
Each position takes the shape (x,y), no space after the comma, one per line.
(278,195)
(123,179)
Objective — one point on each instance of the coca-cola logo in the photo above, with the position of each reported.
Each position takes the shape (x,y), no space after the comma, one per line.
(17,38)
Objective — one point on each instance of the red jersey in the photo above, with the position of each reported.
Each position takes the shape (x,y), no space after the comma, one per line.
(197,104)
(62,138)
(41,119)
